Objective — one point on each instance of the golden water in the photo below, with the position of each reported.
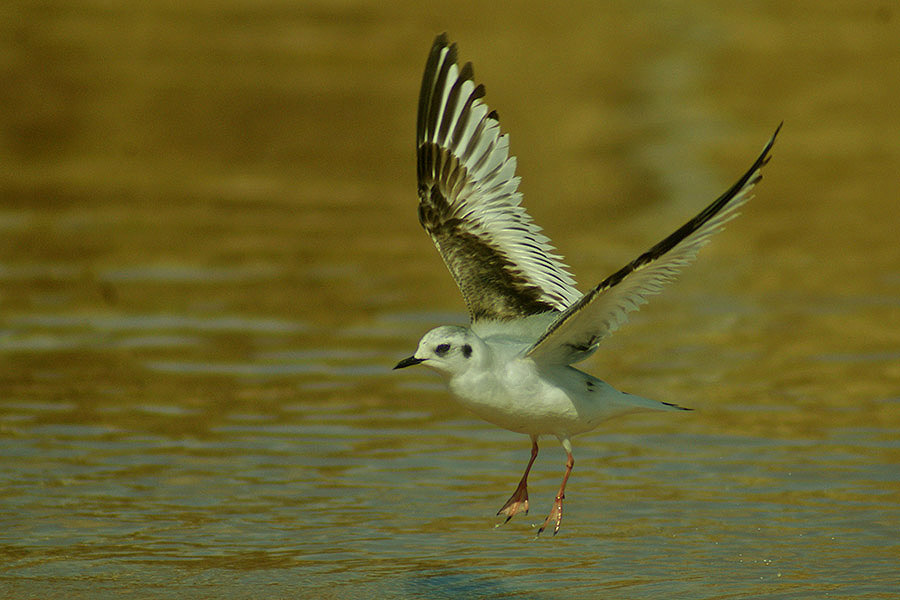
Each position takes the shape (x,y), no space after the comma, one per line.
(209,261)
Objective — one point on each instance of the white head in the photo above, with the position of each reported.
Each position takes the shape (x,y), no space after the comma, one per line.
(448,350)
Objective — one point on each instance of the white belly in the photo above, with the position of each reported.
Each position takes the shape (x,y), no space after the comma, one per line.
(518,398)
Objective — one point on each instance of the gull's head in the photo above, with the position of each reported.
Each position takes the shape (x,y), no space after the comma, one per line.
(448,350)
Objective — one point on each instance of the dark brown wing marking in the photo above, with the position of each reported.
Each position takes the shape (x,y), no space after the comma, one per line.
(469,203)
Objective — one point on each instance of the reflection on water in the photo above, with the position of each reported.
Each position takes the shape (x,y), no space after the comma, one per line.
(210,261)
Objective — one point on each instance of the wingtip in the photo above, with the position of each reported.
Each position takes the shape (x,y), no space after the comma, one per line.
(442,41)
(774,135)
(765,156)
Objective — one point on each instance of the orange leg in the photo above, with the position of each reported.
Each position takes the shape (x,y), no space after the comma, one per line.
(519,500)
(555,515)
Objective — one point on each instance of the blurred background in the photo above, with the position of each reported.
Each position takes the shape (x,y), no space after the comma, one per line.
(210,259)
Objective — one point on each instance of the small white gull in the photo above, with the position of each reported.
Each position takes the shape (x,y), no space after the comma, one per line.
(511,366)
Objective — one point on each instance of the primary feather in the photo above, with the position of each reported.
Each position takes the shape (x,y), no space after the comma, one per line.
(470,205)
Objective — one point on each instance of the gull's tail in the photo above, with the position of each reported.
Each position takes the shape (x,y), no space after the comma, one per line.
(638,403)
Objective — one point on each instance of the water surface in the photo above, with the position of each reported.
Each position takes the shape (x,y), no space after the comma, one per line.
(210,260)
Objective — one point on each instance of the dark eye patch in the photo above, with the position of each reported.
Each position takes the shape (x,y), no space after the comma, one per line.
(442,349)
(467,350)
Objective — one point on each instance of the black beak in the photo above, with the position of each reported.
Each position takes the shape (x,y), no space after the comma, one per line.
(408,362)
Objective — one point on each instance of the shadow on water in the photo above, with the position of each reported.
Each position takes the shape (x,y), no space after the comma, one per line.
(451,584)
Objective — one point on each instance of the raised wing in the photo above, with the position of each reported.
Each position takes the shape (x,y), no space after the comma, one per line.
(469,203)
(578,330)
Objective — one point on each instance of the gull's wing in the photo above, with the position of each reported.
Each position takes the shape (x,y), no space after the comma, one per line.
(578,330)
(468,203)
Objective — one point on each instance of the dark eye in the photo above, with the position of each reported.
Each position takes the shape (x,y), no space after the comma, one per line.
(442,349)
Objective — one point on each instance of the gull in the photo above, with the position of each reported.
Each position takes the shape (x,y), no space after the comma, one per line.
(528,323)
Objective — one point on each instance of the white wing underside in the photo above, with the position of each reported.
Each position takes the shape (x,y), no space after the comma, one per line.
(469,203)
(577,331)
